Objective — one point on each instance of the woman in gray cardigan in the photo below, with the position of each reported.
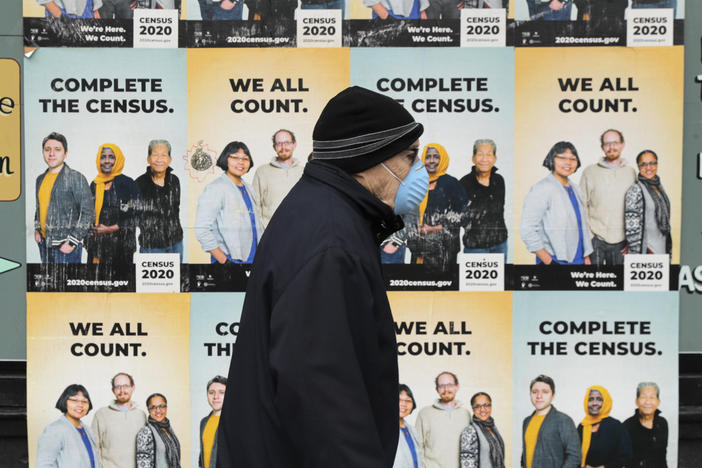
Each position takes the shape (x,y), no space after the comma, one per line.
(228,223)
(66,443)
(554,226)
(409,452)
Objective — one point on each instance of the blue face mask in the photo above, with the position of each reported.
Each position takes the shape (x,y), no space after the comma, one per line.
(413,189)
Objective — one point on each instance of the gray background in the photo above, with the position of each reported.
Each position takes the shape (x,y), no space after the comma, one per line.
(691,250)
(12,238)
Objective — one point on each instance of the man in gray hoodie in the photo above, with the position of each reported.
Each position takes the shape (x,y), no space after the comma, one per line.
(115,426)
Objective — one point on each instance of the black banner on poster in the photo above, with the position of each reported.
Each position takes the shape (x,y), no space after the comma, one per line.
(420,278)
(572,277)
(607,32)
(230,277)
(77,32)
(240,34)
(402,33)
(78,277)
(84,32)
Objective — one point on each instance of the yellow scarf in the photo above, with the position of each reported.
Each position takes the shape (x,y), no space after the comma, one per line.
(590,421)
(102,179)
(440,170)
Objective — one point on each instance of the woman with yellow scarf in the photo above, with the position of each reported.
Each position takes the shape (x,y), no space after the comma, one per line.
(605,440)
(441,213)
(113,241)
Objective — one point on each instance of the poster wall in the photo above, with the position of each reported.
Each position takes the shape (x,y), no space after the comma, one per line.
(611,339)
(91,338)
(236,88)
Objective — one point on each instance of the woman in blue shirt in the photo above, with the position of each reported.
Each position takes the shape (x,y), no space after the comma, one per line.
(409,453)
(553,224)
(228,223)
(66,443)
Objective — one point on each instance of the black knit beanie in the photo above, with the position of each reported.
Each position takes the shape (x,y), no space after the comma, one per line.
(360,128)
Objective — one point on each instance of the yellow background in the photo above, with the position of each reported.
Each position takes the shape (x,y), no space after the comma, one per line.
(10,184)
(51,367)
(539,124)
(324,71)
(488,368)
(30,8)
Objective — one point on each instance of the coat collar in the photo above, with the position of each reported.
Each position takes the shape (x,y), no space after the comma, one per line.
(381,217)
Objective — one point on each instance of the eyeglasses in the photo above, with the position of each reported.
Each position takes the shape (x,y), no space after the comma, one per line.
(648,164)
(447,385)
(483,406)
(155,407)
(566,158)
(239,158)
(121,387)
(279,144)
(406,401)
(611,143)
(79,401)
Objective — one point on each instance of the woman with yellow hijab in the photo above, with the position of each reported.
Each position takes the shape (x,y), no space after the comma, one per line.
(441,213)
(113,241)
(605,440)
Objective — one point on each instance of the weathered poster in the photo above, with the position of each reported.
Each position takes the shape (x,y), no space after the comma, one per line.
(424,23)
(573,23)
(105,175)
(102,23)
(464,99)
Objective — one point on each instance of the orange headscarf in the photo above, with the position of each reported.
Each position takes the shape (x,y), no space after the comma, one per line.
(102,179)
(440,170)
(590,421)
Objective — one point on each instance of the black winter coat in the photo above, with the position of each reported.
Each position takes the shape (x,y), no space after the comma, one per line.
(313,377)
(649,445)
(609,446)
(116,250)
(159,220)
(485,222)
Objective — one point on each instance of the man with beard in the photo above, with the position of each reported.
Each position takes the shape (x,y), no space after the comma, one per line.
(439,426)
(604,187)
(116,426)
(273,181)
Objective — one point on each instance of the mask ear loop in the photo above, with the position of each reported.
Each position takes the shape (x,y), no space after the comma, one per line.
(392,173)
